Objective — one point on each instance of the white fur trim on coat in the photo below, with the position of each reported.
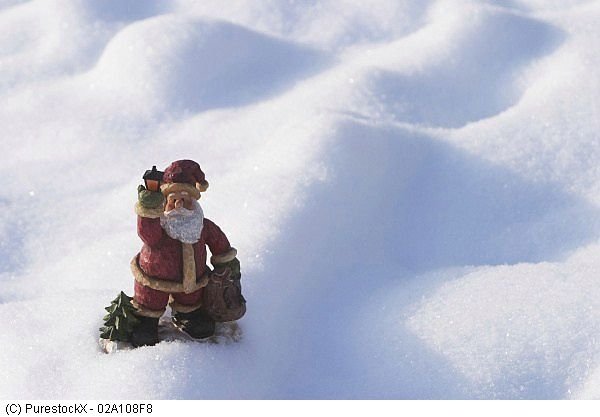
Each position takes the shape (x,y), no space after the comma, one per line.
(189,268)
(161,284)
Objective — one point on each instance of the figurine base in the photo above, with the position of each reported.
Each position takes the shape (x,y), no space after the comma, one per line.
(225,333)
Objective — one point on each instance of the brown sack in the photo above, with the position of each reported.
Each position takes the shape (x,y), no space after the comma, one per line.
(222,297)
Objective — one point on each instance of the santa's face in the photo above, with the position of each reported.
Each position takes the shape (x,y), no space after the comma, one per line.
(183,219)
(179,199)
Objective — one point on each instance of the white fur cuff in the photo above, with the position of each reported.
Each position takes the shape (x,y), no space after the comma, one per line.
(140,310)
(223,258)
(142,211)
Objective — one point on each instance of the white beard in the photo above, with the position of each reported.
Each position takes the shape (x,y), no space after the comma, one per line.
(182,224)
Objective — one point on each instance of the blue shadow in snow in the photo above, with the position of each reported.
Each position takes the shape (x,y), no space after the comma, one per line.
(396,205)
(13,229)
(125,10)
(424,204)
(226,65)
(481,81)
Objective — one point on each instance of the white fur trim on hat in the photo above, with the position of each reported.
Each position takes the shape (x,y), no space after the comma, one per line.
(174,187)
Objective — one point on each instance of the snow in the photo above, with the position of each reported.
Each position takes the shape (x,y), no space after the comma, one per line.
(412,187)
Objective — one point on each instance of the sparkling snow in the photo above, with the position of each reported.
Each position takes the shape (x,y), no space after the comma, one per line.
(412,187)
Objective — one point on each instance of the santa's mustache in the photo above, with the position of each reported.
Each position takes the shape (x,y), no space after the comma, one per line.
(180,211)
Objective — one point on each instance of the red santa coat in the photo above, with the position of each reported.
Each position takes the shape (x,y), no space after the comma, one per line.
(164,265)
(161,256)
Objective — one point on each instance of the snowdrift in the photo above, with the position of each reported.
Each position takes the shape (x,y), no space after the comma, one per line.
(412,187)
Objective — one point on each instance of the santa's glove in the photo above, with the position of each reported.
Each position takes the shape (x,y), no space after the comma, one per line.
(231,268)
(150,199)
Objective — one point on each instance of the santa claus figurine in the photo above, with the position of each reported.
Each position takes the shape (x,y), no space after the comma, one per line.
(171,267)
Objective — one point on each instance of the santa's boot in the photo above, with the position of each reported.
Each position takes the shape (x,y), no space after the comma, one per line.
(197,323)
(146,332)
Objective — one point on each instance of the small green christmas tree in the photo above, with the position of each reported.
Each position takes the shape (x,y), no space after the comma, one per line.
(120,320)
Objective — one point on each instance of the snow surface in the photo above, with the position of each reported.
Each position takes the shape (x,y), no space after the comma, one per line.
(412,185)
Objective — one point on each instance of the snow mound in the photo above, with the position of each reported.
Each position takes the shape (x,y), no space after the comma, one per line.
(493,48)
(174,63)
(412,186)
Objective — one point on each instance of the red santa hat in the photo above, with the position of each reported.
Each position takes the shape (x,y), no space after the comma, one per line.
(184,175)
